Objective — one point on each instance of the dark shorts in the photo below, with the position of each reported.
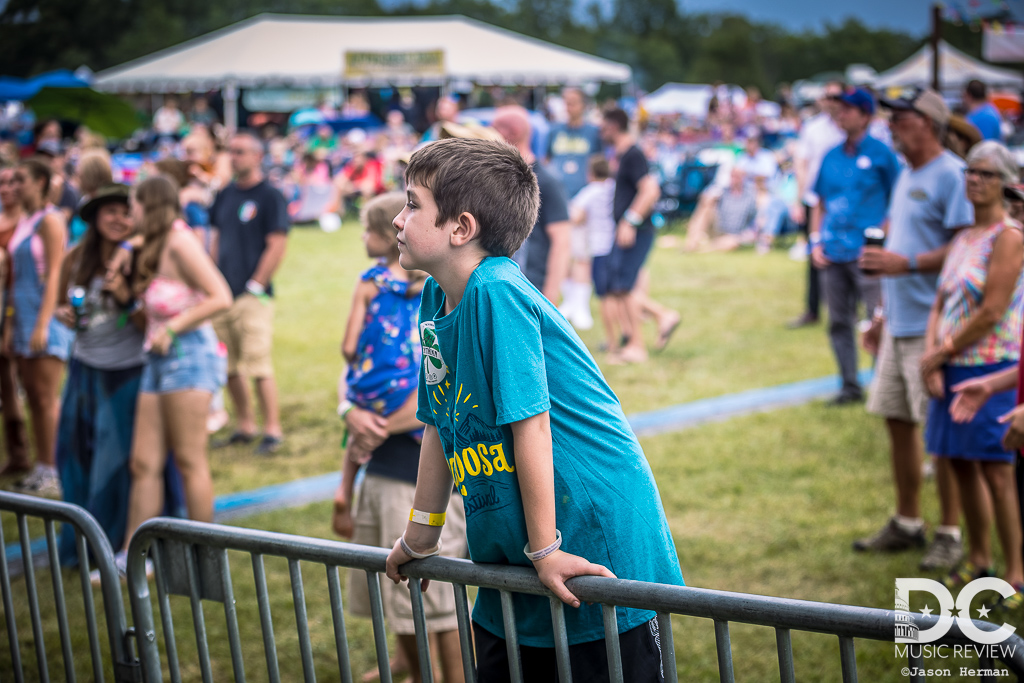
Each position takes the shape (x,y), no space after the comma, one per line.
(640,649)
(616,273)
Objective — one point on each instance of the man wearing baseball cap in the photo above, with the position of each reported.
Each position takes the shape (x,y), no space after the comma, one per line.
(929,204)
(853,187)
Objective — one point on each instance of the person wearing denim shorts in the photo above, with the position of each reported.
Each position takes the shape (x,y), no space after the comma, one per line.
(192,363)
(181,290)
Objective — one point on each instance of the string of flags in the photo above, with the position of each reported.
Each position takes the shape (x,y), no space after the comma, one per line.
(985,14)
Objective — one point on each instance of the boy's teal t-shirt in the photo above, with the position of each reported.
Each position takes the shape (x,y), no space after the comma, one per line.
(505,354)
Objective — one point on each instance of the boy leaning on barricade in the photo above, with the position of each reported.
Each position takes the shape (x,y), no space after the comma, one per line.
(519,416)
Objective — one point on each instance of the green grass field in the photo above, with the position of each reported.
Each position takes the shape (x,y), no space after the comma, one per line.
(765,504)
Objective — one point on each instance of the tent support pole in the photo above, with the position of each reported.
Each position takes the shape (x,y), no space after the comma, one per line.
(230,95)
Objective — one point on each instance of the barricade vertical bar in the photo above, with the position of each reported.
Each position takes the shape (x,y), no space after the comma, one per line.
(166,618)
(301,622)
(784,643)
(33,598)
(90,607)
(561,640)
(849,659)
(142,614)
(420,626)
(724,647)
(611,642)
(338,616)
(668,647)
(12,624)
(231,617)
(266,619)
(508,615)
(380,637)
(198,619)
(59,604)
(916,663)
(465,631)
(986,664)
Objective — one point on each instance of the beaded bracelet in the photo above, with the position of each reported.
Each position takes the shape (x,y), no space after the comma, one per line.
(544,552)
(415,555)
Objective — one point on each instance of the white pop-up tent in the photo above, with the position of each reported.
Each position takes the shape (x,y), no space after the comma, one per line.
(688,99)
(692,99)
(304,52)
(955,70)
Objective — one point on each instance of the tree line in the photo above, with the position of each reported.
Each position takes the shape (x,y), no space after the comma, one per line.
(655,37)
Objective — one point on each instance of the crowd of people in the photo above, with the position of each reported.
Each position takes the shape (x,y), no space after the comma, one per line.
(131,306)
(121,334)
(922,227)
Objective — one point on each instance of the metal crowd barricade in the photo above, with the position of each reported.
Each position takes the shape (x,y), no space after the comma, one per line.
(88,537)
(191,560)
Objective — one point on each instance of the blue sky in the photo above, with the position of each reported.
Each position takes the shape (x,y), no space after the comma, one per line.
(912,16)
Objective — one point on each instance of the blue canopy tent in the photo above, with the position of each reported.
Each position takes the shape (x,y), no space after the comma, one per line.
(19,89)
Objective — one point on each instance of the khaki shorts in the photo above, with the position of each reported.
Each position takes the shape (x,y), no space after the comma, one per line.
(247,330)
(381,513)
(898,391)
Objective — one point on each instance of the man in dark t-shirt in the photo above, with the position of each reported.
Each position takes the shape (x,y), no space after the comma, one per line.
(544,257)
(615,275)
(250,222)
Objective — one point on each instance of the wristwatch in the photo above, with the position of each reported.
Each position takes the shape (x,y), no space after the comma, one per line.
(912,264)
(633,218)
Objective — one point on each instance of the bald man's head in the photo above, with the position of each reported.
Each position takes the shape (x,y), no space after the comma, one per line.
(514,125)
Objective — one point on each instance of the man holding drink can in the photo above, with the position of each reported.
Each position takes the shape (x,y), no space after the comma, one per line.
(929,204)
(853,187)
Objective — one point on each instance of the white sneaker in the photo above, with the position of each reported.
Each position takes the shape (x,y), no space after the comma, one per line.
(121,563)
(216,421)
(582,320)
(42,482)
(798,252)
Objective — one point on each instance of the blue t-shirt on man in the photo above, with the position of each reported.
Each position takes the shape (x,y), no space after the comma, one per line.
(986,119)
(928,204)
(854,190)
(569,150)
(505,354)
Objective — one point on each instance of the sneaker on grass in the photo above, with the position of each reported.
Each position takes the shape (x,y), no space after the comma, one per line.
(1014,603)
(964,573)
(891,538)
(945,552)
(121,563)
(42,482)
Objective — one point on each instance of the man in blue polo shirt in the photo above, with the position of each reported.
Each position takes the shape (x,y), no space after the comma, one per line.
(853,187)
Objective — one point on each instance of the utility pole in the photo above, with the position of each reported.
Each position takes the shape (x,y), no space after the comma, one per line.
(936,38)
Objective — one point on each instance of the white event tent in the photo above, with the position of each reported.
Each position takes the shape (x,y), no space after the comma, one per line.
(304,51)
(955,70)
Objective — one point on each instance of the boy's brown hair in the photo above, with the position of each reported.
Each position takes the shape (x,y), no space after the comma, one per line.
(485,178)
(599,167)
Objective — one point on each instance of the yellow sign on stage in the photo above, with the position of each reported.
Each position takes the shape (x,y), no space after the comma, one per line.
(378,65)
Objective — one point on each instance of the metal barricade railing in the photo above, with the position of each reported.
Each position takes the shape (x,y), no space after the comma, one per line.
(88,537)
(191,560)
